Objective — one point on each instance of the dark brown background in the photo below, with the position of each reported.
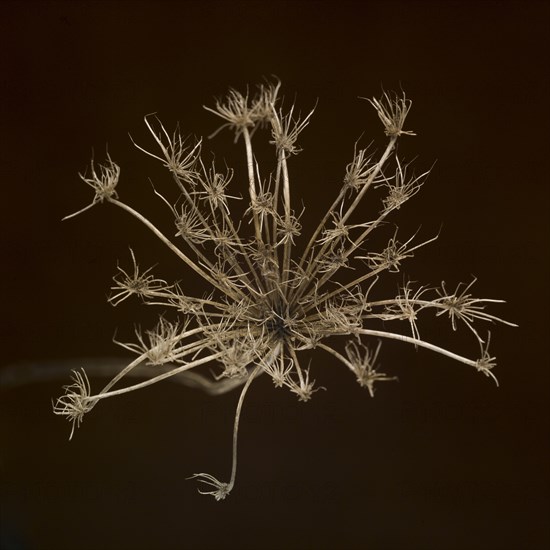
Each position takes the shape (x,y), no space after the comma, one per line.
(441,460)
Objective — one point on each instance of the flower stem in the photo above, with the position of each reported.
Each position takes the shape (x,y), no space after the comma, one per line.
(156,379)
(236,427)
(230,292)
(417,342)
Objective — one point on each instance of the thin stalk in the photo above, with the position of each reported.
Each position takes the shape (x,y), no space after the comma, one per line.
(297,366)
(343,288)
(236,427)
(233,291)
(314,263)
(336,354)
(276,199)
(143,356)
(287,249)
(251,181)
(417,342)
(357,243)
(156,379)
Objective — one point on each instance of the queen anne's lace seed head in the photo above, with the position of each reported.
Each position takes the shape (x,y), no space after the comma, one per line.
(272,295)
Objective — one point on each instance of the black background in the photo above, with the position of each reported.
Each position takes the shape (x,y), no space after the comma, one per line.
(441,460)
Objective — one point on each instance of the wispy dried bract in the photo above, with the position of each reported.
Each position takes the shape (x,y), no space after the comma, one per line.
(402,187)
(461,306)
(103,180)
(362,362)
(392,111)
(486,362)
(76,402)
(212,187)
(359,170)
(303,388)
(391,257)
(177,156)
(405,307)
(136,284)
(221,489)
(286,129)
(242,113)
(189,225)
(273,296)
(159,345)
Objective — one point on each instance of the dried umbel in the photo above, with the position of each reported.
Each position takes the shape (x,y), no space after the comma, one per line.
(270,300)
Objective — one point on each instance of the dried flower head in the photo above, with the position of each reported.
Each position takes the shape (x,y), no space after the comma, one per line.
(103,180)
(392,111)
(362,362)
(136,284)
(274,296)
(76,402)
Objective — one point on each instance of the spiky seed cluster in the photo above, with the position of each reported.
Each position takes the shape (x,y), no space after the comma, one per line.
(392,111)
(137,284)
(76,402)
(103,180)
(362,362)
(269,303)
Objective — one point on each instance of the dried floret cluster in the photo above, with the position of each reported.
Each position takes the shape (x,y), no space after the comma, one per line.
(269,303)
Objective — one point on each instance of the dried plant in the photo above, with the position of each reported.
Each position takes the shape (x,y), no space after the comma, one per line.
(268,303)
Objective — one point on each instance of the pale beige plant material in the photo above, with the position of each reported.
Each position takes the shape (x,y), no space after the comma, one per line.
(268,303)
